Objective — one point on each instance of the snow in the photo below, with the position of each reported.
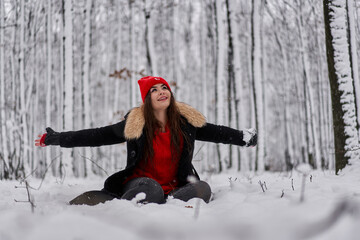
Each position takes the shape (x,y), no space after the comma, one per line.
(239,209)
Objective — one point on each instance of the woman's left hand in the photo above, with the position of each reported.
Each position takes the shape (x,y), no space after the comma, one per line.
(250,137)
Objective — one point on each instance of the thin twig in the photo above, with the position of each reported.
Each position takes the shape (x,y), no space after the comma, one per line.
(46,170)
(30,200)
(29,197)
(261,185)
(198,150)
(265,185)
(95,164)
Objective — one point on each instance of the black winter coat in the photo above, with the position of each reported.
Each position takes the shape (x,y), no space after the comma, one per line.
(130,131)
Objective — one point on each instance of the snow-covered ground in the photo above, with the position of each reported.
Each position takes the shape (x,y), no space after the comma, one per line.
(239,210)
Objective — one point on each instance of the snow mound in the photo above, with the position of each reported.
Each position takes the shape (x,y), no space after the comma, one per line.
(244,206)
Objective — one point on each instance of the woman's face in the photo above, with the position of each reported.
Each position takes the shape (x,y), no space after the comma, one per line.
(160,97)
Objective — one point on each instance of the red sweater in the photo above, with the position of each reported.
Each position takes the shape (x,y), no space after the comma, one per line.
(161,167)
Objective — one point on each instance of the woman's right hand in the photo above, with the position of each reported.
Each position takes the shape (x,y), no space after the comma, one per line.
(41,141)
(49,138)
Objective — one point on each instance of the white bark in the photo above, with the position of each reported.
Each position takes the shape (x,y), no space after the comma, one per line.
(49,74)
(86,81)
(3,136)
(60,94)
(24,125)
(353,56)
(150,40)
(118,57)
(133,84)
(204,77)
(68,83)
(11,124)
(177,52)
(258,90)
(309,90)
(220,80)
(286,90)
(343,71)
(238,85)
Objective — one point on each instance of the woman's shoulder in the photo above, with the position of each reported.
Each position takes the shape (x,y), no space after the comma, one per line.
(135,122)
(192,115)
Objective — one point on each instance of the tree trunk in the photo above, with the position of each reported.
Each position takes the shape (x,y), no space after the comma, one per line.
(237,84)
(86,82)
(353,57)
(4,166)
(309,100)
(341,83)
(24,113)
(220,81)
(149,42)
(49,75)
(231,74)
(204,76)
(68,83)
(176,42)
(257,84)
(132,47)
(286,91)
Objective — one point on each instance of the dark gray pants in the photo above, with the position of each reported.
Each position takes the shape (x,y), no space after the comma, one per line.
(152,189)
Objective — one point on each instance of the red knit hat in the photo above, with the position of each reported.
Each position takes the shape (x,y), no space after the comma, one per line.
(146,83)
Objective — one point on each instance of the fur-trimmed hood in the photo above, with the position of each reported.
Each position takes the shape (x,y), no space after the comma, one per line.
(135,120)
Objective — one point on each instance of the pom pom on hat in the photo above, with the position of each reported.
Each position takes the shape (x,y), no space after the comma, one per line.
(146,83)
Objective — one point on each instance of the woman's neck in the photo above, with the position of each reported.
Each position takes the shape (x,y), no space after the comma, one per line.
(161,116)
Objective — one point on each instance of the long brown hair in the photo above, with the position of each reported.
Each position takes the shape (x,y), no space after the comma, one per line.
(152,125)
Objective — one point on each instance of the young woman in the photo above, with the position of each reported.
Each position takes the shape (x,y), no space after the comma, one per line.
(160,137)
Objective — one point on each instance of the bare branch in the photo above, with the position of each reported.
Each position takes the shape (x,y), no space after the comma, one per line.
(262,186)
(94,164)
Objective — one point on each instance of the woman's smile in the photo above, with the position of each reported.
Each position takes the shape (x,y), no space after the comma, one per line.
(163,98)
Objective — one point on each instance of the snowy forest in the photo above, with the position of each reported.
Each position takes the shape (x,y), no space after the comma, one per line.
(288,68)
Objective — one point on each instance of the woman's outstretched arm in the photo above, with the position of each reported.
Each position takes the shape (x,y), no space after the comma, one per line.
(94,137)
(226,135)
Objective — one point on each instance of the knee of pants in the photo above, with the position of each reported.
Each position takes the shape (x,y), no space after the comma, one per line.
(152,189)
(92,198)
(204,190)
(199,189)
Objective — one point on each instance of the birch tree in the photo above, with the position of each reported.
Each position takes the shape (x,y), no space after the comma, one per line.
(220,81)
(309,100)
(24,125)
(257,84)
(237,79)
(231,77)
(149,40)
(131,58)
(86,80)
(49,73)
(204,75)
(176,45)
(68,82)
(341,83)
(3,137)
(353,56)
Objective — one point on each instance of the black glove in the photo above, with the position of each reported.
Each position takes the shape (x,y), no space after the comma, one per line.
(250,137)
(52,137)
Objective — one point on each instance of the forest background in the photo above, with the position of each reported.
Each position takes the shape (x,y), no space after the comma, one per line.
(72,65)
